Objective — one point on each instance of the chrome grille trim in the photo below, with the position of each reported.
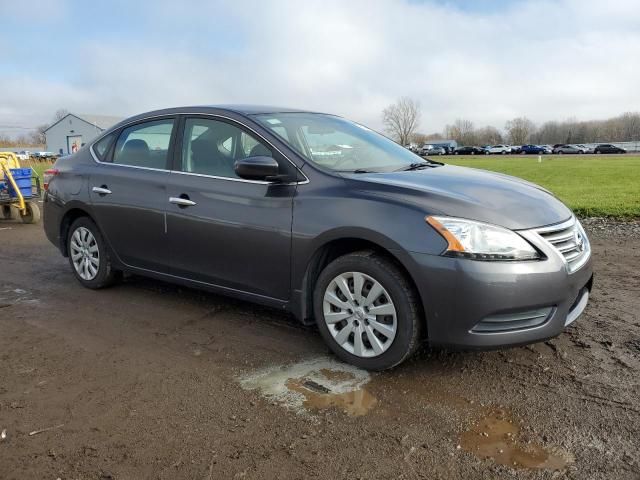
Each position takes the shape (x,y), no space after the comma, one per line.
(569,240)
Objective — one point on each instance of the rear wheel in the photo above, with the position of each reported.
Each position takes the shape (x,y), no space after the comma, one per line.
(7,212)
(88,255)
(367,311)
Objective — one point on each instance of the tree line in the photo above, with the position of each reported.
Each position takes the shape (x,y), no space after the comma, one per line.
(33,138)
(402,121)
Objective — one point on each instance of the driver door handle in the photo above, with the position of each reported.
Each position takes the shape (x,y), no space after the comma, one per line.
(101,190)
(182,202)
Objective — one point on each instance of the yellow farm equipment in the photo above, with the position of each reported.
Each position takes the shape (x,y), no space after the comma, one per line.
(17,190)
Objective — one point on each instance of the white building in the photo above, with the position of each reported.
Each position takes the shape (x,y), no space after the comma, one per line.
(72,131)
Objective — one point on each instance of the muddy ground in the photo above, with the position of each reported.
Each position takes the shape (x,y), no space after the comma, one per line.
(149,380)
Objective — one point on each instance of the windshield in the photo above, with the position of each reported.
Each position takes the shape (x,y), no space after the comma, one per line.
(338,144)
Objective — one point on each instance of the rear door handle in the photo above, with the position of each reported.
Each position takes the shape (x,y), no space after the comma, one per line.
(103,190)
(182,202)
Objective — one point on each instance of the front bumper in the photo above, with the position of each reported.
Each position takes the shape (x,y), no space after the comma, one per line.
(478,304)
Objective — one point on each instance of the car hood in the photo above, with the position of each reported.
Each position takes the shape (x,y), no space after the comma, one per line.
(474,194)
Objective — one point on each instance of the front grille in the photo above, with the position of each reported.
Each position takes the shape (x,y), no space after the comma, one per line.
(570,241)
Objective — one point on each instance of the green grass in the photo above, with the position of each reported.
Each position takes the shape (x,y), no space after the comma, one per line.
(38,167)
(591,185)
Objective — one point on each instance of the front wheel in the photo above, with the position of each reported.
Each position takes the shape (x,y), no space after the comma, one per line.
(88,255)
(367,311)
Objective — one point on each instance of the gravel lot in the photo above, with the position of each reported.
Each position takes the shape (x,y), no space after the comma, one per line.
(149,380)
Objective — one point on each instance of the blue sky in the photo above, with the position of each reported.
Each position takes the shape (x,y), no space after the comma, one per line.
(485,60)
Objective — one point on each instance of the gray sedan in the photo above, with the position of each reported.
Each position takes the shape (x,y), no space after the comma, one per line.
(322,217)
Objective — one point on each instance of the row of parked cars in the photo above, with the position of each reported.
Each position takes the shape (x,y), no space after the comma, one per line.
(559,148)
(27,154)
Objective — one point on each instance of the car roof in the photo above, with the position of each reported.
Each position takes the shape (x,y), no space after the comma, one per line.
(195,109)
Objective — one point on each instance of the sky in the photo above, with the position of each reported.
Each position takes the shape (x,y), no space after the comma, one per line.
(483,60)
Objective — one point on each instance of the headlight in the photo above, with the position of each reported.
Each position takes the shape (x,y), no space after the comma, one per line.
(481,241)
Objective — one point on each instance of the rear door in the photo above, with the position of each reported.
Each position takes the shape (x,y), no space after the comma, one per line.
(224,230)
(128,192)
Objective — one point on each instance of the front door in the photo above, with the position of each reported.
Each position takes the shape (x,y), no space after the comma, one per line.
(224,230)
(129,194)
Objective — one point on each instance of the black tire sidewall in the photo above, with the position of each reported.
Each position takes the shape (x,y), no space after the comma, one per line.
(408,318)
(105,272)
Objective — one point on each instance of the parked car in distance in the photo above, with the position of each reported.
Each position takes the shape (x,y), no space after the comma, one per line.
(316,215)
(501,149)
(469,151)
(412,147)
(584,148)
(571,149)
(608,148)
(432,150)
(533,149)
(515,149)
(22,155)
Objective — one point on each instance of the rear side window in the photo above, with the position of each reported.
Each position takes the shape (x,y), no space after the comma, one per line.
(102,146)
(145,144)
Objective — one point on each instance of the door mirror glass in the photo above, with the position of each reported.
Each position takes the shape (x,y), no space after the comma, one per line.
(256,168)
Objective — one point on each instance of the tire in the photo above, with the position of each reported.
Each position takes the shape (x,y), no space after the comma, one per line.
(580,152)
(407,315)
(504,152)
(598,152)
(560,152)
(473,153)
(104,275)
(486,153)
(33,213)
(456,153)
(7,212)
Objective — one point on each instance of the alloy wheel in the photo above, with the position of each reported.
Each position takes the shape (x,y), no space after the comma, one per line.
(85,254)
(360,314)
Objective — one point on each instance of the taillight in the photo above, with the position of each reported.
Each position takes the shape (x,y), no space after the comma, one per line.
(48,176)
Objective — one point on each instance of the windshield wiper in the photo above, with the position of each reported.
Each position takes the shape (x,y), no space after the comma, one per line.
(357,170)
(418,166)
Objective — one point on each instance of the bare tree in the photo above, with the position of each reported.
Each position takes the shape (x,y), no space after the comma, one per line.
(60,114)
(630,126)
(401,119)
(488,135)
(519,130)
(462,131)
(418,138)
(37,136)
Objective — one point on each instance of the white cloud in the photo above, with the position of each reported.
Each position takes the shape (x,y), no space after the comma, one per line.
(546,60)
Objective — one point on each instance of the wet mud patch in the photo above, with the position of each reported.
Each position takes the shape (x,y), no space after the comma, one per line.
(497,436)
(314,385)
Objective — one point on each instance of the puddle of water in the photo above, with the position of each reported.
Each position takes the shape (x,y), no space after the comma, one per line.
(315,385)
(496,436)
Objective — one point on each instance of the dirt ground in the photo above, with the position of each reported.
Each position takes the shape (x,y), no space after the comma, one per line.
(149,380)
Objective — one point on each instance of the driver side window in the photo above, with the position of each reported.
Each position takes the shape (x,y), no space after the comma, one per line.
(211,147)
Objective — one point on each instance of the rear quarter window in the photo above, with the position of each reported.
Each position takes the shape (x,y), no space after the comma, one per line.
(101,147)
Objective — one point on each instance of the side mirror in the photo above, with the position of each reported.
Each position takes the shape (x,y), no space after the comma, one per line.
(256,168)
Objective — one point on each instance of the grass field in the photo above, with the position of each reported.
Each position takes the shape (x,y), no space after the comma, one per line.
(591,185)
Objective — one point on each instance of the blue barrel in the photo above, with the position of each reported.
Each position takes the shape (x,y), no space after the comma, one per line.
(22,176)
